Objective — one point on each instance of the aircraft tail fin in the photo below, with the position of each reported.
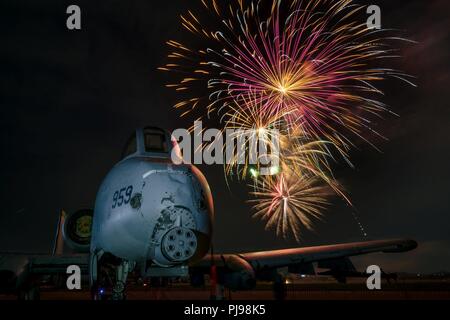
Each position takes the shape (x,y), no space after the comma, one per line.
(58,244)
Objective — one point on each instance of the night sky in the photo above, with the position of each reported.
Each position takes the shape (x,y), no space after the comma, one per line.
(70,99)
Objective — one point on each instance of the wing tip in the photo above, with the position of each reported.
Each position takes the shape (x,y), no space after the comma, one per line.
(403,245)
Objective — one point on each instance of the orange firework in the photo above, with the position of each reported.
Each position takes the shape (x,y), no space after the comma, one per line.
(288,203)
(308,69)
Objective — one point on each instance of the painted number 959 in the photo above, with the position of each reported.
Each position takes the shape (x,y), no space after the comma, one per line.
(122,196)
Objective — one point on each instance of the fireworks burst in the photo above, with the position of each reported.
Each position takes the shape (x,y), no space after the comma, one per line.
(316,67)
(289,203)
(249,124)
(305,68)
(294,152)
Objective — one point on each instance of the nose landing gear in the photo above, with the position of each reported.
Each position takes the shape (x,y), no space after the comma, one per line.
(110,278)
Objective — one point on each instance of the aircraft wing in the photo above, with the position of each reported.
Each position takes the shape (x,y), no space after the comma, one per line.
(286,257)
(18,268)
(241,270)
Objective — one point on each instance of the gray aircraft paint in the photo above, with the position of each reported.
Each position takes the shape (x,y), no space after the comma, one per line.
(170,196)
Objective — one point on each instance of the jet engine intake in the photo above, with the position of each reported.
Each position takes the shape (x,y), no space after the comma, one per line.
(77,230)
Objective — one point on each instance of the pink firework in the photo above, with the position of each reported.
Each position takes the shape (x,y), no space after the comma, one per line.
(316,59)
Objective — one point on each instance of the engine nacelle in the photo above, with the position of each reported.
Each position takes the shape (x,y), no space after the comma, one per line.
(77,230)
(238,274)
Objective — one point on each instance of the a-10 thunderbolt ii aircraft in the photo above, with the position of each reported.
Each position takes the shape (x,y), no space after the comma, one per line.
(155,218)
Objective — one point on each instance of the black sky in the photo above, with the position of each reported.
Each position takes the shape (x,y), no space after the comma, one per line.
(70,99)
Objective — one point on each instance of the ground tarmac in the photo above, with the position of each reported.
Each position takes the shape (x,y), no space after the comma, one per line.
(303,289)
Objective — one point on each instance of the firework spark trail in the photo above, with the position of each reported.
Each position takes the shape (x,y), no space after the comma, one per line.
(288,204)
(248,123)
(315,61)
(305,68)
(302,156)
(294,152)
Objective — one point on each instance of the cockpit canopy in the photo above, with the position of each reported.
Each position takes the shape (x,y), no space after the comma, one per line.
(150,142)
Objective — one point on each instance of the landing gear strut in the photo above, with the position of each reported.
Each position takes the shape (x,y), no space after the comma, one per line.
(109,277)
(122,271)
(279,287)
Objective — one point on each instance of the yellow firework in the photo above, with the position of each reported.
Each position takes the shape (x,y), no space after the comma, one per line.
(288,203)
(314,62)
(252,134)
(307,69)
